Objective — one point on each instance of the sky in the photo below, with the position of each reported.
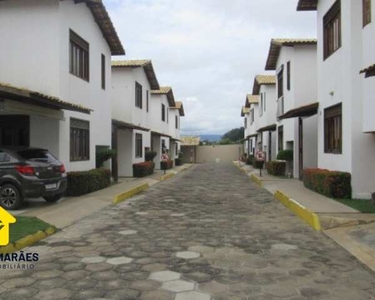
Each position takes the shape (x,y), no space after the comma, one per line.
(208,51)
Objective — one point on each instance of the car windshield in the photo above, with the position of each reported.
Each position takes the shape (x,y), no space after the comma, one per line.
(37,155)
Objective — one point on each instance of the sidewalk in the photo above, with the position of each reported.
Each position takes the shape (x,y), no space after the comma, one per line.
(70,210)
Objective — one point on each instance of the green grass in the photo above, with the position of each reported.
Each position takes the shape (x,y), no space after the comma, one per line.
(25,226)
(364,206)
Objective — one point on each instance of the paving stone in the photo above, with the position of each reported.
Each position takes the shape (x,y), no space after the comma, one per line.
(50,283)
(18,282)
(73,275)
(157,295)
(284,247)
(192,295)
(111,285)
(119,260)
(106,275)
(93,260)
(47,274)
(22,293)
(122,294)
(98,267)
(198,277)
(154,267)
(281,291)
(164,276)
(213,287)
(187,254)
(87,294)
(53,294)
(144,285)
(127,232)
(178,286)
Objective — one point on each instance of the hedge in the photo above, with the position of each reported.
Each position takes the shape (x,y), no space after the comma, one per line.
(166,165)
(276,168)
(258,164)
(150,155)
(178,162)
(332,184)
(85,182)
(285,155)
(143,169)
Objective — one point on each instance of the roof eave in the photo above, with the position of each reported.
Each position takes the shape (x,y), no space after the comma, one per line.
(307,5)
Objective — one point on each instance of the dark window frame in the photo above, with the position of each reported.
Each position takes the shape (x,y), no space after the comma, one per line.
(163,112)
(147,100)
(280,138)
(288,75)
(138,95)
(103,77)
(330,32)
(333,129)
(366,12)
(176,118)
(280,83)
(79,133)
(79,56)
(138,145)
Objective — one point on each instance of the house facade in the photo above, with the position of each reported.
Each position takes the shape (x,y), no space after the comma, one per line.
(265,87)
(294,64)
(55,76)
(250,112)
(346,87)
(175,114)
(132,82)
(245,113)
(161,102)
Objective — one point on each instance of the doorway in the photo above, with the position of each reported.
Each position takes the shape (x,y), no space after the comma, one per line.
(300,147)
(14,130)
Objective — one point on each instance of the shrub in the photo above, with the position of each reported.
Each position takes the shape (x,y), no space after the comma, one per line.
(178,162)
(258,164)
(285,155)
(249,160)
(276,168)
(85,182)
(103,155)
(150,155)
(329,183)
(166,165)
(143,169)
(180,155)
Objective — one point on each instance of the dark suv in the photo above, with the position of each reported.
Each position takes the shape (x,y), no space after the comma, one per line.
(29,173)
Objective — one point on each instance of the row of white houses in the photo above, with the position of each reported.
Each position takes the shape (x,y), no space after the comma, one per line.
(319,100)
(60,89)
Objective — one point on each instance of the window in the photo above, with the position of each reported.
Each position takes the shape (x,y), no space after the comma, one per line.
(4,157)
(79,56)
(332,30)
(333,129)
(79,140)
(264,101)
(138,145)
(138,95)
(147,101)
(176,122)
(163,112)
(261,105)
(288,75)
(103,72)
(280,133)
(252,116)
(245,122)
(366,12)
(280,83)
(176,149)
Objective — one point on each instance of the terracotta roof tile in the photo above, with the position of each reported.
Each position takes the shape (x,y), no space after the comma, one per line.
(251,99)
(263,80)
(165,90)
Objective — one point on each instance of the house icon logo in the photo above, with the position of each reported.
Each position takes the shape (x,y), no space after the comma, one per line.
(5,219)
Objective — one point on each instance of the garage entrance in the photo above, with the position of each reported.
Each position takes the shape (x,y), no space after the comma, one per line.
(14,130)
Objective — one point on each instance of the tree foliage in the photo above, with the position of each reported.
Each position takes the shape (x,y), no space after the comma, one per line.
(234,135)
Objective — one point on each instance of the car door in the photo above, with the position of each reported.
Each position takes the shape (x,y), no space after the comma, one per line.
(5,163)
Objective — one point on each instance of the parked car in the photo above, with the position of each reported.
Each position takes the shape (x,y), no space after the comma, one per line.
(29,173)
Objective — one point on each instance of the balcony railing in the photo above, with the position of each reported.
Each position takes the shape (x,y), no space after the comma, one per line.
(280,106)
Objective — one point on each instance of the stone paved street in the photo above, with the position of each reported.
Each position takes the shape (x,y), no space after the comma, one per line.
(208,233)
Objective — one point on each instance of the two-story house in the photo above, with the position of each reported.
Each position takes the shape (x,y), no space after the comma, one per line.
(161,101)
(265,87)
(175,114)
(132,82)
(245,115)
(294,62)
(346,126)
(55,77)
(252,102)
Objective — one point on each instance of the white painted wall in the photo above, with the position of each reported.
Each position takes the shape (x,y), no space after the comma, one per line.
(156,122)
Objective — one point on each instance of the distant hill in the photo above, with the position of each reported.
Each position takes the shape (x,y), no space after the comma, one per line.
(210,137)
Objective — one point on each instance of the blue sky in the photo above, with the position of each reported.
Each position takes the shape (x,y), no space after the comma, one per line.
(208,50)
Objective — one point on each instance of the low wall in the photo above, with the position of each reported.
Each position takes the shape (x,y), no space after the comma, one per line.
(218,153)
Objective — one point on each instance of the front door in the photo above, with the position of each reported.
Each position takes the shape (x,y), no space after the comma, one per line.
(14,130)
(300,150)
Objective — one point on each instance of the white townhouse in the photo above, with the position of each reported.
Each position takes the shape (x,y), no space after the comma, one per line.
(294,62)
(161,102)
(346,89)
(265,88)
(55,77)
(250,113)
(132,82)
(175,114)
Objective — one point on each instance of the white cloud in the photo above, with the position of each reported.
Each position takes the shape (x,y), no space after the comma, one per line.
(208,50)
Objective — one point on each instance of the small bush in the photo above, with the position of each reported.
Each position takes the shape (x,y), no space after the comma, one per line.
(166,165)
(180,155)
(150,155)
(332,184)
(286,155)
(85,182)
(258,164)
(103,155)
(178,162)
(276,168)
(143,169)
(249,160)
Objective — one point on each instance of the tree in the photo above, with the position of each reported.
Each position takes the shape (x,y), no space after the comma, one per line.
(234,135)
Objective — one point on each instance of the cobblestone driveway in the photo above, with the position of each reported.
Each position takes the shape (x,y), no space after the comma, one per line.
(208,233)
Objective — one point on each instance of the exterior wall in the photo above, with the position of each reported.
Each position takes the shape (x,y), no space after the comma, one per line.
(173,131)
(44,133)
(155,118)
(219,153)
(125,153)
(339,82)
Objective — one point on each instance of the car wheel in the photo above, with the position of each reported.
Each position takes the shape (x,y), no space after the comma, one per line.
(54,198)
(10,197)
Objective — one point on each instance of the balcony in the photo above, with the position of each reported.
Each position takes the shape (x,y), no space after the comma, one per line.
(280,106)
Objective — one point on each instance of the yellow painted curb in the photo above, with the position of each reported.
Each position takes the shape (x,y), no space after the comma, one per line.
(27,241)
(256,179)
(305,214)
(130,193)
(167,176)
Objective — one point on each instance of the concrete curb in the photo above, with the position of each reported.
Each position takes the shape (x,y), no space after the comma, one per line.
(167,176)
(28,240)
(302,212)
(257,180)
(130,193)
